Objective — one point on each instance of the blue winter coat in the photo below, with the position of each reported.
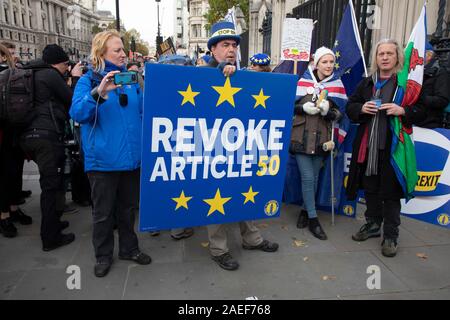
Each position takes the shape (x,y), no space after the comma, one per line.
(110,133)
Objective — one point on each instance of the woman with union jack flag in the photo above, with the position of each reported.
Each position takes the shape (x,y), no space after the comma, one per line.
(320,95)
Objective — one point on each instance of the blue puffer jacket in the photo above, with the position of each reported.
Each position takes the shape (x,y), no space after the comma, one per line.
(110,134)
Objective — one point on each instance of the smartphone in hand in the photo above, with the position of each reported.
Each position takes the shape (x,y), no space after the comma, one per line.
(377,102)
(125,78)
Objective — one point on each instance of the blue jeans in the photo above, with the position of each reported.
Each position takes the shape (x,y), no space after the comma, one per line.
(309,167)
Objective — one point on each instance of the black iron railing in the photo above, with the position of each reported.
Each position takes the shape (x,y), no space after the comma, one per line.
(328,14)
(266,30)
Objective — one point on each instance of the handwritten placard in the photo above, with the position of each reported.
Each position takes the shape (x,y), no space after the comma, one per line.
(296,43)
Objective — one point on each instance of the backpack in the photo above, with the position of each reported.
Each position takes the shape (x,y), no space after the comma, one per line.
(16,97)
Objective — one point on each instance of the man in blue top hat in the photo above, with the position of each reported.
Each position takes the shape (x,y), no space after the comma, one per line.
(223,46)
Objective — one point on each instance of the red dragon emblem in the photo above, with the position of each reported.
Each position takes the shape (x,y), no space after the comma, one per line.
(416,60)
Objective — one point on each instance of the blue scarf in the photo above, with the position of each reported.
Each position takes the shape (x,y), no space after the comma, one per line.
(109,66)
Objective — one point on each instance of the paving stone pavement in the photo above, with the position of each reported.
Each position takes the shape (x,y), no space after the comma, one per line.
(303,268)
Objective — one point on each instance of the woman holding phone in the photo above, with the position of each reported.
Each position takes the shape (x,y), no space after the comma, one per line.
(111,119)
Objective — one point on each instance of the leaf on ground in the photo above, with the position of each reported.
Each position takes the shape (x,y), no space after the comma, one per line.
(263,226)
(422,256)
(326,278)
(305,259)
(285,228)
(205,244)
(299,243)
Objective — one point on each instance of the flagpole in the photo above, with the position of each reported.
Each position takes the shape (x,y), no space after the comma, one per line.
(358,38)
(332,176)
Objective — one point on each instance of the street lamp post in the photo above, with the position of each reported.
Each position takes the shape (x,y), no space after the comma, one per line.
(158,37)
(117,16)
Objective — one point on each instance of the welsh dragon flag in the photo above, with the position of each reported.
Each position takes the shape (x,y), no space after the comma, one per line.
(410,79)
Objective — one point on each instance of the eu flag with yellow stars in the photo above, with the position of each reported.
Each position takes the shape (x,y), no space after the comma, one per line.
(350,64)
(214,148)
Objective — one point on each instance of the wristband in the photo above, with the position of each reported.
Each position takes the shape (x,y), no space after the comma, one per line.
(96,95)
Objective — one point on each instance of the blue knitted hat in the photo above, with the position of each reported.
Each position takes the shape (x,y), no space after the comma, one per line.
(260,59)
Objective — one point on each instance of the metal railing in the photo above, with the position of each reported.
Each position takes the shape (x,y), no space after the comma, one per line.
(328,14)
(266,31)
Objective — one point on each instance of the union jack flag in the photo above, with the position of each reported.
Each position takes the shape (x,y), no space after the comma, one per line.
(308,84)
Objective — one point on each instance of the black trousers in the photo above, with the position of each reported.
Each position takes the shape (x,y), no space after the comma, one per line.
(380,208)
(115,198)
(17,181)
(81,189)
(11,170)
(48,153)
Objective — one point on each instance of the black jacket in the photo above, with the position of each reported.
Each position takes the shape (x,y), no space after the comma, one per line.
(3,67)
(435,95)
(52,96)
(391,187)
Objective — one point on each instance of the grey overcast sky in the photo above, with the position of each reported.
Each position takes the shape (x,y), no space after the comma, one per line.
(142,16)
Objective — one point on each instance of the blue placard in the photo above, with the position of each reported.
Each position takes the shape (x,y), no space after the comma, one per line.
(214,148)
(432,195)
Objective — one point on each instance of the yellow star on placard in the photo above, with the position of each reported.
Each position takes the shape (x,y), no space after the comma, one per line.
(260,99)
(188,95)
(337,66)
(216,204)
(226,93)
(338,54)
(182,201)
(250,195)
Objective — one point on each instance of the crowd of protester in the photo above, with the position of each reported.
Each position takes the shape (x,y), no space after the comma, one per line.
(80,115)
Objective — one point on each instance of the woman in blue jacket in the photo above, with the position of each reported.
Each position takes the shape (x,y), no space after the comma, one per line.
(111,121)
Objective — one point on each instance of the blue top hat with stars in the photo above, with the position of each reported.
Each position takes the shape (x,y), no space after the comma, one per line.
(260,59)
(222,30)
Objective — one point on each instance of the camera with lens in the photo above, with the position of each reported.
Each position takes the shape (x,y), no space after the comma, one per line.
(84,65)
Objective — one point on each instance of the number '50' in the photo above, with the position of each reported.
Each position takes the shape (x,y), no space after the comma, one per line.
(268,165)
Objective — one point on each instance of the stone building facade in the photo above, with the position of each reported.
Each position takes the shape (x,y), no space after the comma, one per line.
(198,35)
(32,24)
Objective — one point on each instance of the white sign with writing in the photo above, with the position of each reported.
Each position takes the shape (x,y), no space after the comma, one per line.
(296,43)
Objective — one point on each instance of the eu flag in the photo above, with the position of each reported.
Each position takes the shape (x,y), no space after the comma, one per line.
(350,63)
(214,148)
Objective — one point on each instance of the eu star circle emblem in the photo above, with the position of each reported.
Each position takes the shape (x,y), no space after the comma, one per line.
(348,210)
(271,208)
(444,219)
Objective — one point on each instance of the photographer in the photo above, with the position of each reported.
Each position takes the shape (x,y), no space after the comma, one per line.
(111,124)
(43,140)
